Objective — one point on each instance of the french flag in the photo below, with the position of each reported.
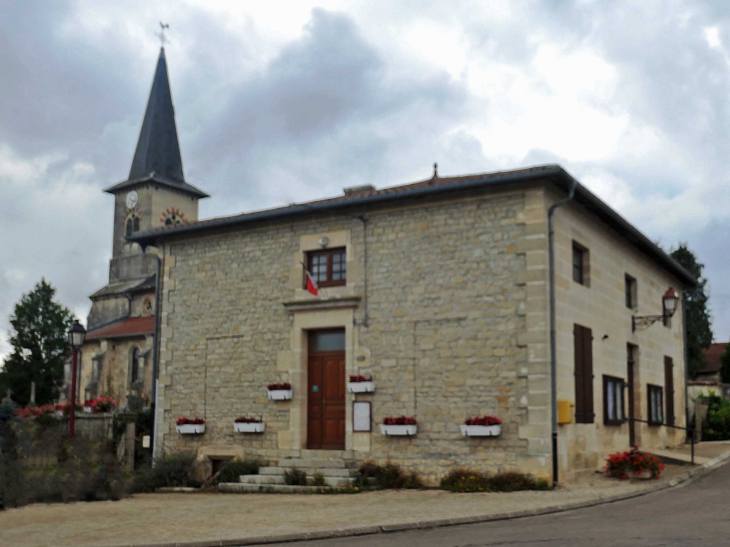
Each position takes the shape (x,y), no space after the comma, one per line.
(312,284)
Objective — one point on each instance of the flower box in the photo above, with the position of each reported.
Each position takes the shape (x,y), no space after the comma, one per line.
(280,394)
(402,430)
(191,429)
(250,427)
(481,430)
(361,387)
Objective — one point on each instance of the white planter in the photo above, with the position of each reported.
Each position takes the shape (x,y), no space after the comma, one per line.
(280,394)
(256,427)
(481,430)
(191,429)
(360,387)
(398,429)
(87,409)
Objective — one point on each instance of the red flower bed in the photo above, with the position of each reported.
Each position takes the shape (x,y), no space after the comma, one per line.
(400,420)
(483,420)
(284,386)
(359,378)
(190,421)
(66,408)
(246,420)
(622,464)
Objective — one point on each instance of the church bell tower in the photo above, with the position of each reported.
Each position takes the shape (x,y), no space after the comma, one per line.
(154,195)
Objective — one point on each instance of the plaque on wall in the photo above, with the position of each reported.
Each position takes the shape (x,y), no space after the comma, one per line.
(361,416)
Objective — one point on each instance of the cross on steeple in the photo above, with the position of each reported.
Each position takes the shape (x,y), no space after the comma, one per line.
(161,34)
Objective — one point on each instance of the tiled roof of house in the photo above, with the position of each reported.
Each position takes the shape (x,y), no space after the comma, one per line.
(126,328)
(436,185)
(713,354)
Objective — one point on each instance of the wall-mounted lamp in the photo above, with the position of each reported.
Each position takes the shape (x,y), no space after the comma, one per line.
(669,305)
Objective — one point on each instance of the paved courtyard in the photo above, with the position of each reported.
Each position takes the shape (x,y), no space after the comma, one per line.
(158,518)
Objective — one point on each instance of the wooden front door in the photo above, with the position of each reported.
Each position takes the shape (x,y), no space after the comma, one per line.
(326,393)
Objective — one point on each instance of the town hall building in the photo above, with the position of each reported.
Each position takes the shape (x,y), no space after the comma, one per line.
(441,293)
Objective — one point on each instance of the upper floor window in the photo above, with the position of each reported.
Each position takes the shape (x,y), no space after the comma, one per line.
(655,402)
(328,267)
(580,264)
(631,293)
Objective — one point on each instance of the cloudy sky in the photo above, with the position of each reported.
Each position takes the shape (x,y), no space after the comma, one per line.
(280,102)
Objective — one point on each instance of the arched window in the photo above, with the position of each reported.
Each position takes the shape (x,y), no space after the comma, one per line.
(134,374)
(136,224)
(168,221)
(128,231)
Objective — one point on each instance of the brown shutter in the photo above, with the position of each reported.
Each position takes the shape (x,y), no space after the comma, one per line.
(583,349)
(588,374)
(669,389)
(579,374)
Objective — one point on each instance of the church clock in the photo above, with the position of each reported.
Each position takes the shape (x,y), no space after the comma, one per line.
(132,199)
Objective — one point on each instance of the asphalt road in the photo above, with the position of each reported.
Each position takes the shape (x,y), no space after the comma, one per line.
(695,514)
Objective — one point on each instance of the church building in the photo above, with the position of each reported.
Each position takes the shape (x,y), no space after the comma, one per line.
(387,324)
(117,355)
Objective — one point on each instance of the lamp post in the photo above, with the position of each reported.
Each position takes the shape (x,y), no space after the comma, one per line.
(669,306)
(76,335)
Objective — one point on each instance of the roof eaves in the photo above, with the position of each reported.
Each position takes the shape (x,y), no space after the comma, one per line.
(153,178)
(148,238)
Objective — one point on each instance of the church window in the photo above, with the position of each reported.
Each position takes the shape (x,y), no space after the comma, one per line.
(136,224)
(132,225)
(128,231)
(134,376)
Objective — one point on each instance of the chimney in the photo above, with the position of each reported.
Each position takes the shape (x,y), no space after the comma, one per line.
(354,190)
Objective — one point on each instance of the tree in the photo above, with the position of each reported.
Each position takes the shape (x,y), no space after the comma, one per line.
(725,365)
(699,333)
(40,346)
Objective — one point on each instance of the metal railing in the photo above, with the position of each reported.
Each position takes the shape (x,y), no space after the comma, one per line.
(690,432)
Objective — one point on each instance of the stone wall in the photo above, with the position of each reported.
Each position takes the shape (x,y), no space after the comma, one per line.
(600,305)
(446,301)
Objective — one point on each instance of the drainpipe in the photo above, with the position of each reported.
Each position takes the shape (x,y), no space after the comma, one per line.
(553,334)
(686,368)
(155,353)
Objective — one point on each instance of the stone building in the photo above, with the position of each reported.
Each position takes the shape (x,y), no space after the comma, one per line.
(438,290)
(117,355)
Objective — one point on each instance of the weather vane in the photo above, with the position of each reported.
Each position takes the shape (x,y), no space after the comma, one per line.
(161,35)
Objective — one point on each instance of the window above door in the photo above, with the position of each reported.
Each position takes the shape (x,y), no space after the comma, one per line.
(328,267)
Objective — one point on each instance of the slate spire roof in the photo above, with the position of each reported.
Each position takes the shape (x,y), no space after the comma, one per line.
(157,157)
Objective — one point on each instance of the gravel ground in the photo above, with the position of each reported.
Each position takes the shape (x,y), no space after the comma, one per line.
(157,518)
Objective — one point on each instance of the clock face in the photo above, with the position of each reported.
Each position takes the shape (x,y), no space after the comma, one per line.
(132,199)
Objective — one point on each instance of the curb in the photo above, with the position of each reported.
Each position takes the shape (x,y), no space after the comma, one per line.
(682,480)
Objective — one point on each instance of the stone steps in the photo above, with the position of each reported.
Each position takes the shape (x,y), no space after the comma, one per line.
(307,454)
(279,479)
(316,463)
(239,488)
(327,472)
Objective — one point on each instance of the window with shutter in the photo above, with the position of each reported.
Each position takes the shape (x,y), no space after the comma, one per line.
(583,349)
(669,388)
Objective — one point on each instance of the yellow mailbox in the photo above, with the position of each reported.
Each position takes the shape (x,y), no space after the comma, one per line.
(565,412)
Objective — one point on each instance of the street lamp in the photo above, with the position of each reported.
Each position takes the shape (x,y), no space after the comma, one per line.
(669,306)
(76,335)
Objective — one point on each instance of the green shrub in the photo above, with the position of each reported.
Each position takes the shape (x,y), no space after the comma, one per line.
(234,469)
(716,426)
(295,477)
(465,480)
(175,468)
(318,480)
(386,476)
(469,480)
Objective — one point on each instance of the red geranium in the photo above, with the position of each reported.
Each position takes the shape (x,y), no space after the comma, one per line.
(284,386)
(483,420)
(247,420)
(359,378)
(400,420)
(190,421)
(634,461)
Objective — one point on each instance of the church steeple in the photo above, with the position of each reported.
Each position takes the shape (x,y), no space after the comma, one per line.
(157,157)
(158,149)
